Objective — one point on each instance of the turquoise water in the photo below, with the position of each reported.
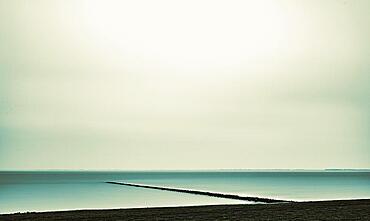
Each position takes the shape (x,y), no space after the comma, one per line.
(45,191)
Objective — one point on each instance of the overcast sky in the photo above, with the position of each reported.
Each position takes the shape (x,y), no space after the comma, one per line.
(184,84)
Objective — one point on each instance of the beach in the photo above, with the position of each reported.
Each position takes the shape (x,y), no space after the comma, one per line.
(320,210)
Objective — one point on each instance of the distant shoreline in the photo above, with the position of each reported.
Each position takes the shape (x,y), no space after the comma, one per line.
(327,170)
(314,210)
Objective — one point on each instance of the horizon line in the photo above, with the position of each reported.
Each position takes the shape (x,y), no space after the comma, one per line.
(185,170)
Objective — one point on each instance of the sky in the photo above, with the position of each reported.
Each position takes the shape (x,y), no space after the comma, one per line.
(206,84)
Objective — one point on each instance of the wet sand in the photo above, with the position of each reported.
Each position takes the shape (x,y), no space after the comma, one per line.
(324,210)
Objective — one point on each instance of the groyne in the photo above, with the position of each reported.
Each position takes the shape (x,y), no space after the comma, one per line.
(205,193)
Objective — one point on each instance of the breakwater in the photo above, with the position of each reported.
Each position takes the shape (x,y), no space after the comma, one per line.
(205,193)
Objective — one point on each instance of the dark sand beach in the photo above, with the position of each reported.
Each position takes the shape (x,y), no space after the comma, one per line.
(322,210)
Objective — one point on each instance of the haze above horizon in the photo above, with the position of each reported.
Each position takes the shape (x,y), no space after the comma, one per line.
(148,85)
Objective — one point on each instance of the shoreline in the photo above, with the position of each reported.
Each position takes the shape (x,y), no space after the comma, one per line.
(323,210)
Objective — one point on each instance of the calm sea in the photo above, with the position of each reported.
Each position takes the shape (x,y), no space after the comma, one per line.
(45,191)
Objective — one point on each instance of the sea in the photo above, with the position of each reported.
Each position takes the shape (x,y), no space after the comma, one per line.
(31,191)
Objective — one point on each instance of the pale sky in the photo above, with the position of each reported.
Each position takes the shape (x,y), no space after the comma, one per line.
(195,84)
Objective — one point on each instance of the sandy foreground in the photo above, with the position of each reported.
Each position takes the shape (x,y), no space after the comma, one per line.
(324,210)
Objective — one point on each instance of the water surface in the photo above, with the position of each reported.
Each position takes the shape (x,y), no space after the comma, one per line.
(45,191)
